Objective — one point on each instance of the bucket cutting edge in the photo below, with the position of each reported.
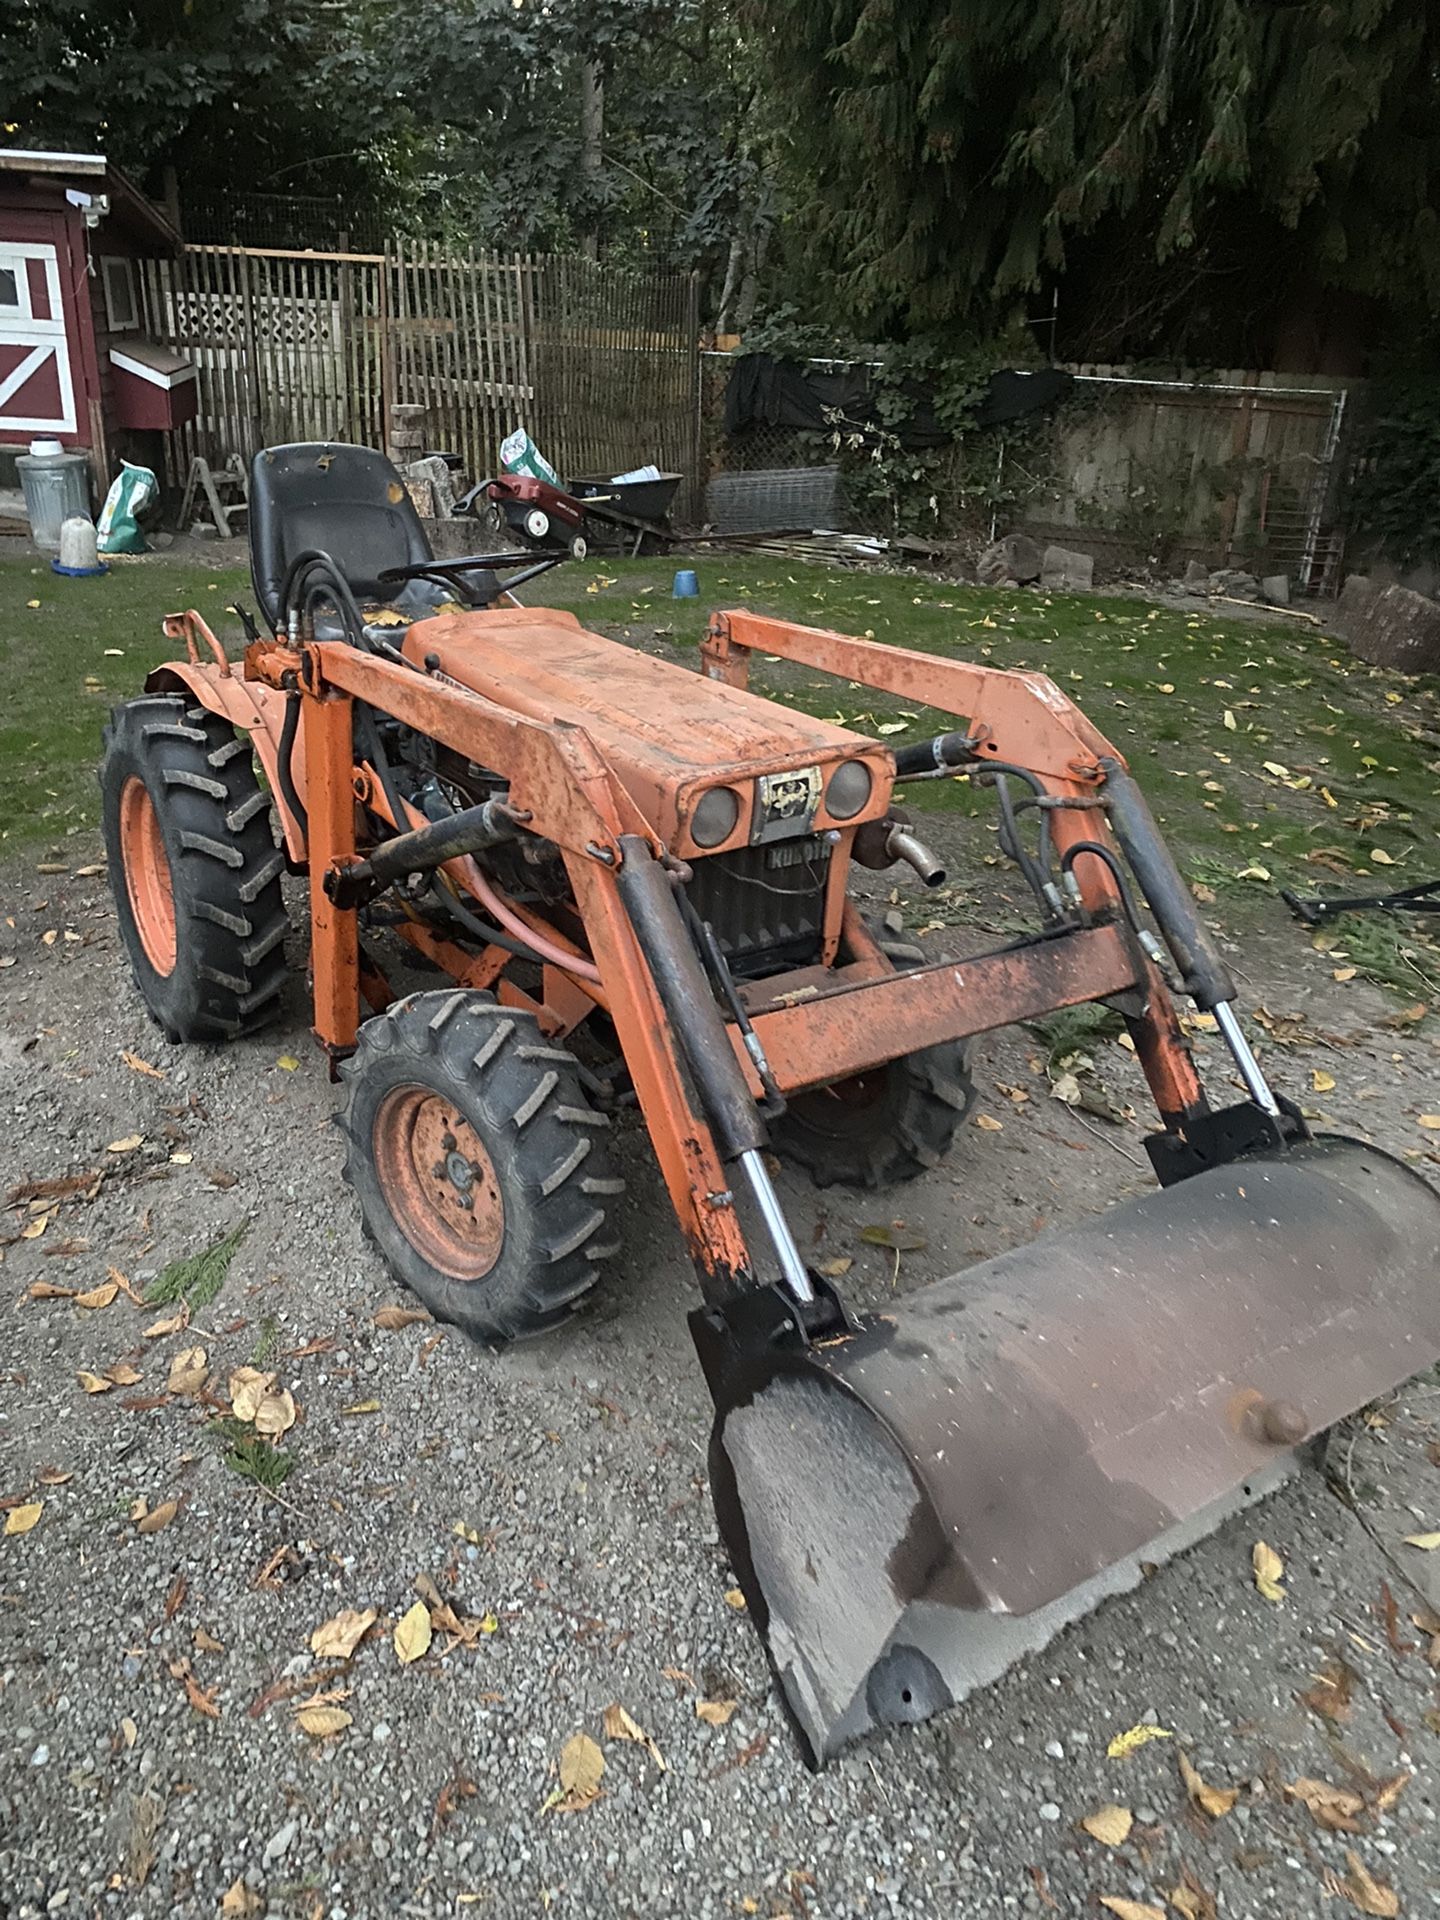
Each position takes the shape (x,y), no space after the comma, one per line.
(915,1505)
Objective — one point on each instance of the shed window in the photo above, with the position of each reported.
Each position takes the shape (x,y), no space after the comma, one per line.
(9,287)
(122,310)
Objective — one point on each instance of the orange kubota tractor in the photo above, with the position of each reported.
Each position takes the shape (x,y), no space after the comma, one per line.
(637,880)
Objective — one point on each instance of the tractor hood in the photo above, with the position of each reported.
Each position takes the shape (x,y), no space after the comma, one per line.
(669,733)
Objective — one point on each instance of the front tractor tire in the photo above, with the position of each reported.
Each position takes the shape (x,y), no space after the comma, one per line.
(889,1124)
(880,1127)
(193,867)
(480,1167)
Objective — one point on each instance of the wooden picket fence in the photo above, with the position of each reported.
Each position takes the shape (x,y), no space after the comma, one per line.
(600,363)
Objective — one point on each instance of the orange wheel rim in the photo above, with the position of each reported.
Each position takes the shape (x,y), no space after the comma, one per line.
(147,875)
(439,1182)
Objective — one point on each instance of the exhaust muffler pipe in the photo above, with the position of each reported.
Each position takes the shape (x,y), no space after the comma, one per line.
(881,843)
(901,844)
(915,1504)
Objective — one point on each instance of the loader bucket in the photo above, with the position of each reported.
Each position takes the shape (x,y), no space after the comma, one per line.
(914,1505)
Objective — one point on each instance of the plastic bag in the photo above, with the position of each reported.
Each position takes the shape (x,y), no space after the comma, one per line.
(130,493)
(519,454)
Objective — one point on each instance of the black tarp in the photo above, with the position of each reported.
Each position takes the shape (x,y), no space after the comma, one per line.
(765,391)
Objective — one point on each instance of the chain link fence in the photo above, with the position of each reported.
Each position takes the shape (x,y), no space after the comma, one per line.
(1242,469)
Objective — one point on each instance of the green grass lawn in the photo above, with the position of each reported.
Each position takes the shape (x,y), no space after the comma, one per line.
(1265,750)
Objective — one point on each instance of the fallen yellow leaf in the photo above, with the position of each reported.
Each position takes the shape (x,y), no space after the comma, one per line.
(1131,1909)
(22,1519)
(1269,1569)
(127,1145)
(1335,1808)
(1190,1899)
(1230,721)
(987,1123)
(620,1726)
(93,1383)
(122,1374)
(413,1634)
(288,1062)
(362,1406)
(1216,1801)
(338,1638)
(1362,1890)
(735,1598)
(392,1319)
(171,1324)
(189,1371)
(1431,1121)
(1380,857)
(275,1414)
(137,1065)
(1321,1081)
(581,1766)
(715,1713)
(97,1297)
(33,1229)
(1344,973)
(1110,1825)
(1134,1738)
(158,1517)
(1426,1542)
(248,1386)
(322,1723)
(241,1902)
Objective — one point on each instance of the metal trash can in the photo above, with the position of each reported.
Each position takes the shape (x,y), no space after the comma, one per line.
(56,485)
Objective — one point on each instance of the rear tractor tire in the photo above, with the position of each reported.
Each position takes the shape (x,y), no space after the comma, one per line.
(194,868)
(480,1167)
(884,1126)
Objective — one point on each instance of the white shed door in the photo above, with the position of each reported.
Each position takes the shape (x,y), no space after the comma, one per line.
(37,393)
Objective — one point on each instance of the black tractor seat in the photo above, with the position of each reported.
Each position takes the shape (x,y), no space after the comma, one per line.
(350,503)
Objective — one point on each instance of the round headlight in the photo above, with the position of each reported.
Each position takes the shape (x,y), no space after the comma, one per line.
(848,790)
(715,816)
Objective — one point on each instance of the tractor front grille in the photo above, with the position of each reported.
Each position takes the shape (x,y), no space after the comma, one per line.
(766,903)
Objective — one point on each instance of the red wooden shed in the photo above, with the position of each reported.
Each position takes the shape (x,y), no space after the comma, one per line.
(76,364)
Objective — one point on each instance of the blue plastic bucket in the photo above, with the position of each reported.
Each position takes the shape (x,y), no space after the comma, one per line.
(687,587)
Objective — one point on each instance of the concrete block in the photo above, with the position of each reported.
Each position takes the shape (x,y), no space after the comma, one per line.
(1275,588)
(1402,631)
(1356,603)
(1064,571)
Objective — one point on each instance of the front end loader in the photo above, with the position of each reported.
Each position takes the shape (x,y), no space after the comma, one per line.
(636,882)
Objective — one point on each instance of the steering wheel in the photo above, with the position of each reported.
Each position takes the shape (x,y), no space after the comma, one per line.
(445,571)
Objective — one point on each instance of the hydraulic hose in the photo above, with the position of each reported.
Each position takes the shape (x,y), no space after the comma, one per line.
(1117,873)
(1036,877)
(283,767)
(571,962)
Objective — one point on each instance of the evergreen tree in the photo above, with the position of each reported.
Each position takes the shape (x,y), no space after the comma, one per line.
(1183,169)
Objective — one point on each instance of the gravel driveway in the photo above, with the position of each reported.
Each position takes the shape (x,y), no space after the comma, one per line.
(154,1756)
